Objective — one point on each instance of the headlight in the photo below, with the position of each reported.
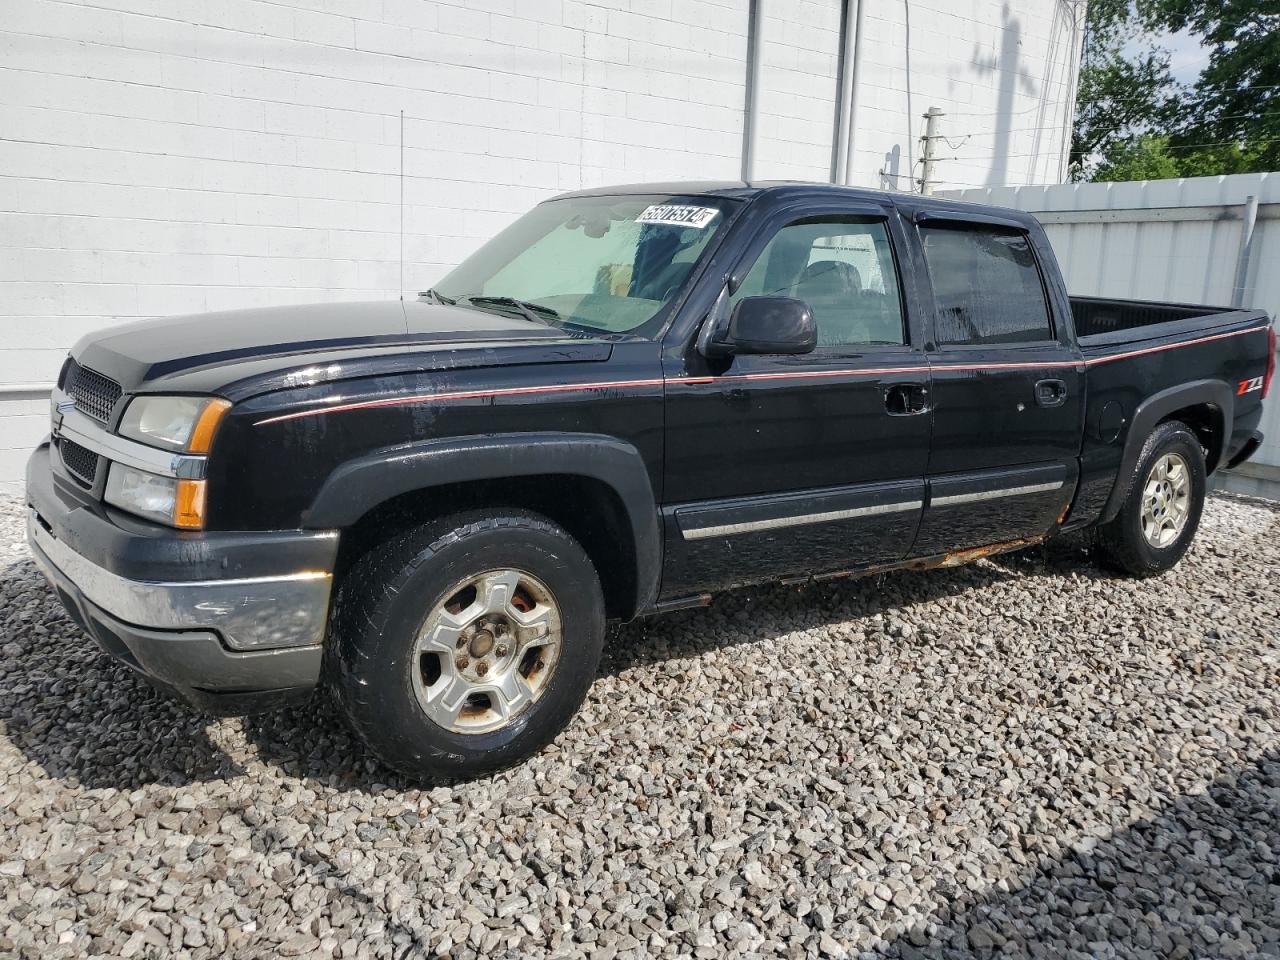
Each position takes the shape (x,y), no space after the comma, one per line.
(178,503)
(184,424)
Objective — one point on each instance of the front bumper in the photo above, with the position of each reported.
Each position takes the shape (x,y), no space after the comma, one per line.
(231,622)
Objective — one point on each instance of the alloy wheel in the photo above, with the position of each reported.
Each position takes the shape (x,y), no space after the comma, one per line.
(1166,500)
(487,651)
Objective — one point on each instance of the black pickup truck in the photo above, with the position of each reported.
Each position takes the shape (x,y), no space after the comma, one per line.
(628,399)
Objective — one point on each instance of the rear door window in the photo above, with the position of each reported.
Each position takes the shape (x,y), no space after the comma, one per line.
(986,286)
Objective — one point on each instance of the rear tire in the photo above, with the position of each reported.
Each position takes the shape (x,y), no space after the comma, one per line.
(1161,510)
(465,645)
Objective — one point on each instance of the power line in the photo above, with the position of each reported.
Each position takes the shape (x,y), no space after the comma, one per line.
(1181,146)
(987,113)
(1242,116)
(1056,127)
(1259,86)
(1222,143)
(999,131)
(1093,100)
(1242,86)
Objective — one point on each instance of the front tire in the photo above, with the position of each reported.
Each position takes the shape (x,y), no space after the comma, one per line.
(1161,511)
(464,645)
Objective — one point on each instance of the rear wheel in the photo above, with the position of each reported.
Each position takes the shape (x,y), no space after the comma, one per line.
(1161,512)
(465,645)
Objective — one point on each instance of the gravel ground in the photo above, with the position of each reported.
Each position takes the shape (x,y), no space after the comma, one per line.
(1025,757)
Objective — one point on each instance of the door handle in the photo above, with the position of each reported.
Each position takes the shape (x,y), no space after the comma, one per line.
(906,399)
(1051,393)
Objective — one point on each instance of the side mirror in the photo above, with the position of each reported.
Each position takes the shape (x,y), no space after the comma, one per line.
(766,325)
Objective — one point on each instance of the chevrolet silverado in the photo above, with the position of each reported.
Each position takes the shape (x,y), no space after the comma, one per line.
(629,399)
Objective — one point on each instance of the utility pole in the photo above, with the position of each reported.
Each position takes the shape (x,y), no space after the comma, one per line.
(930,154)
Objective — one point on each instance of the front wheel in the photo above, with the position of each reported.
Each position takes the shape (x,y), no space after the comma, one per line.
(1161,512)
(465,645)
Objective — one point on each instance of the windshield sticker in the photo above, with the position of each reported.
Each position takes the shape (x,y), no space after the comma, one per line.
(678,215)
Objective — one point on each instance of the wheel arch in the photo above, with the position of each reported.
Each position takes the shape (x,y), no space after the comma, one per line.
(1206,406)
(596,487)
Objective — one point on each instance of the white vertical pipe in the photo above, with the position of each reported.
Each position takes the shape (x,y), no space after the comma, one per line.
(850,73)
(751,118)
(840,159)
(401,204)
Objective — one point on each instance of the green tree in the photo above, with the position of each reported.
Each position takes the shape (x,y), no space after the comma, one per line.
(1233,105)
(1142,158)
(1121,98)
(1134,122)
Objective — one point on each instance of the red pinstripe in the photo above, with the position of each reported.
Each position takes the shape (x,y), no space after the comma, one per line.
(776,375)
(1170,346)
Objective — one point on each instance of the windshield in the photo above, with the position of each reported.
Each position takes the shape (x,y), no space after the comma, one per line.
(612,264)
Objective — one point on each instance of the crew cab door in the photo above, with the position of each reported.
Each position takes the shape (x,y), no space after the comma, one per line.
(799,465)
(1008,387)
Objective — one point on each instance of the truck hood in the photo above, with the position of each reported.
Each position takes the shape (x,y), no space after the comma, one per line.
(224,352)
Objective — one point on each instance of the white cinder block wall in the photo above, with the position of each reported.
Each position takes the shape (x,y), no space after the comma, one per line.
(175,156)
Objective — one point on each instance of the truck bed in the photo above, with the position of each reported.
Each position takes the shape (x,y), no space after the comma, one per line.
(1139,354)
(1096,317)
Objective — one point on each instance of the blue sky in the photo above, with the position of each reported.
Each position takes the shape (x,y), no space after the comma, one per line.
(1186,55)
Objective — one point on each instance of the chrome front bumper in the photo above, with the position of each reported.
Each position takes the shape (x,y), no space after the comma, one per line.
(248,614)
(231,621)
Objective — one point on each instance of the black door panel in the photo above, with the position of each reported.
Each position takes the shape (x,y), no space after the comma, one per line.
(989,429)
(794,465)
(981,507)
(773,424)
(750,539)
(985,409)
(1007,391)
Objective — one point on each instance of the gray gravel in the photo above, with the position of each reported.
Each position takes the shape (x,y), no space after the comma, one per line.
(1026,757)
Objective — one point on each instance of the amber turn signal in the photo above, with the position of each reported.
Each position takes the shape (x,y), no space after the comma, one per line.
(188,507)
(207,424)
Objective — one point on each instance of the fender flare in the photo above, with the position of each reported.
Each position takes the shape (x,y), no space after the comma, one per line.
(1215,393)
(360,485)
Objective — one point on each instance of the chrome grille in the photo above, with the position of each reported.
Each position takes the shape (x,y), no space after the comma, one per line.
(81,462)
(94,394)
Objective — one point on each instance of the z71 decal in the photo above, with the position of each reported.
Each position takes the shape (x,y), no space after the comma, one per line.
(1249,386)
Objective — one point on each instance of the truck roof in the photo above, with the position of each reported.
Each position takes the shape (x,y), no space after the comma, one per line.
(794,189)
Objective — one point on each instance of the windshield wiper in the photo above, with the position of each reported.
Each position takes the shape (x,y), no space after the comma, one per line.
(437,296)
(535,312)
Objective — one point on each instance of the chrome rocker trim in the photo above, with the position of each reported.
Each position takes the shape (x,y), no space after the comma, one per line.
(798,520)
(983,495)
(250,614)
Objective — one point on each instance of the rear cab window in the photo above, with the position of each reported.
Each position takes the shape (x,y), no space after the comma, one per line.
(987,287)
